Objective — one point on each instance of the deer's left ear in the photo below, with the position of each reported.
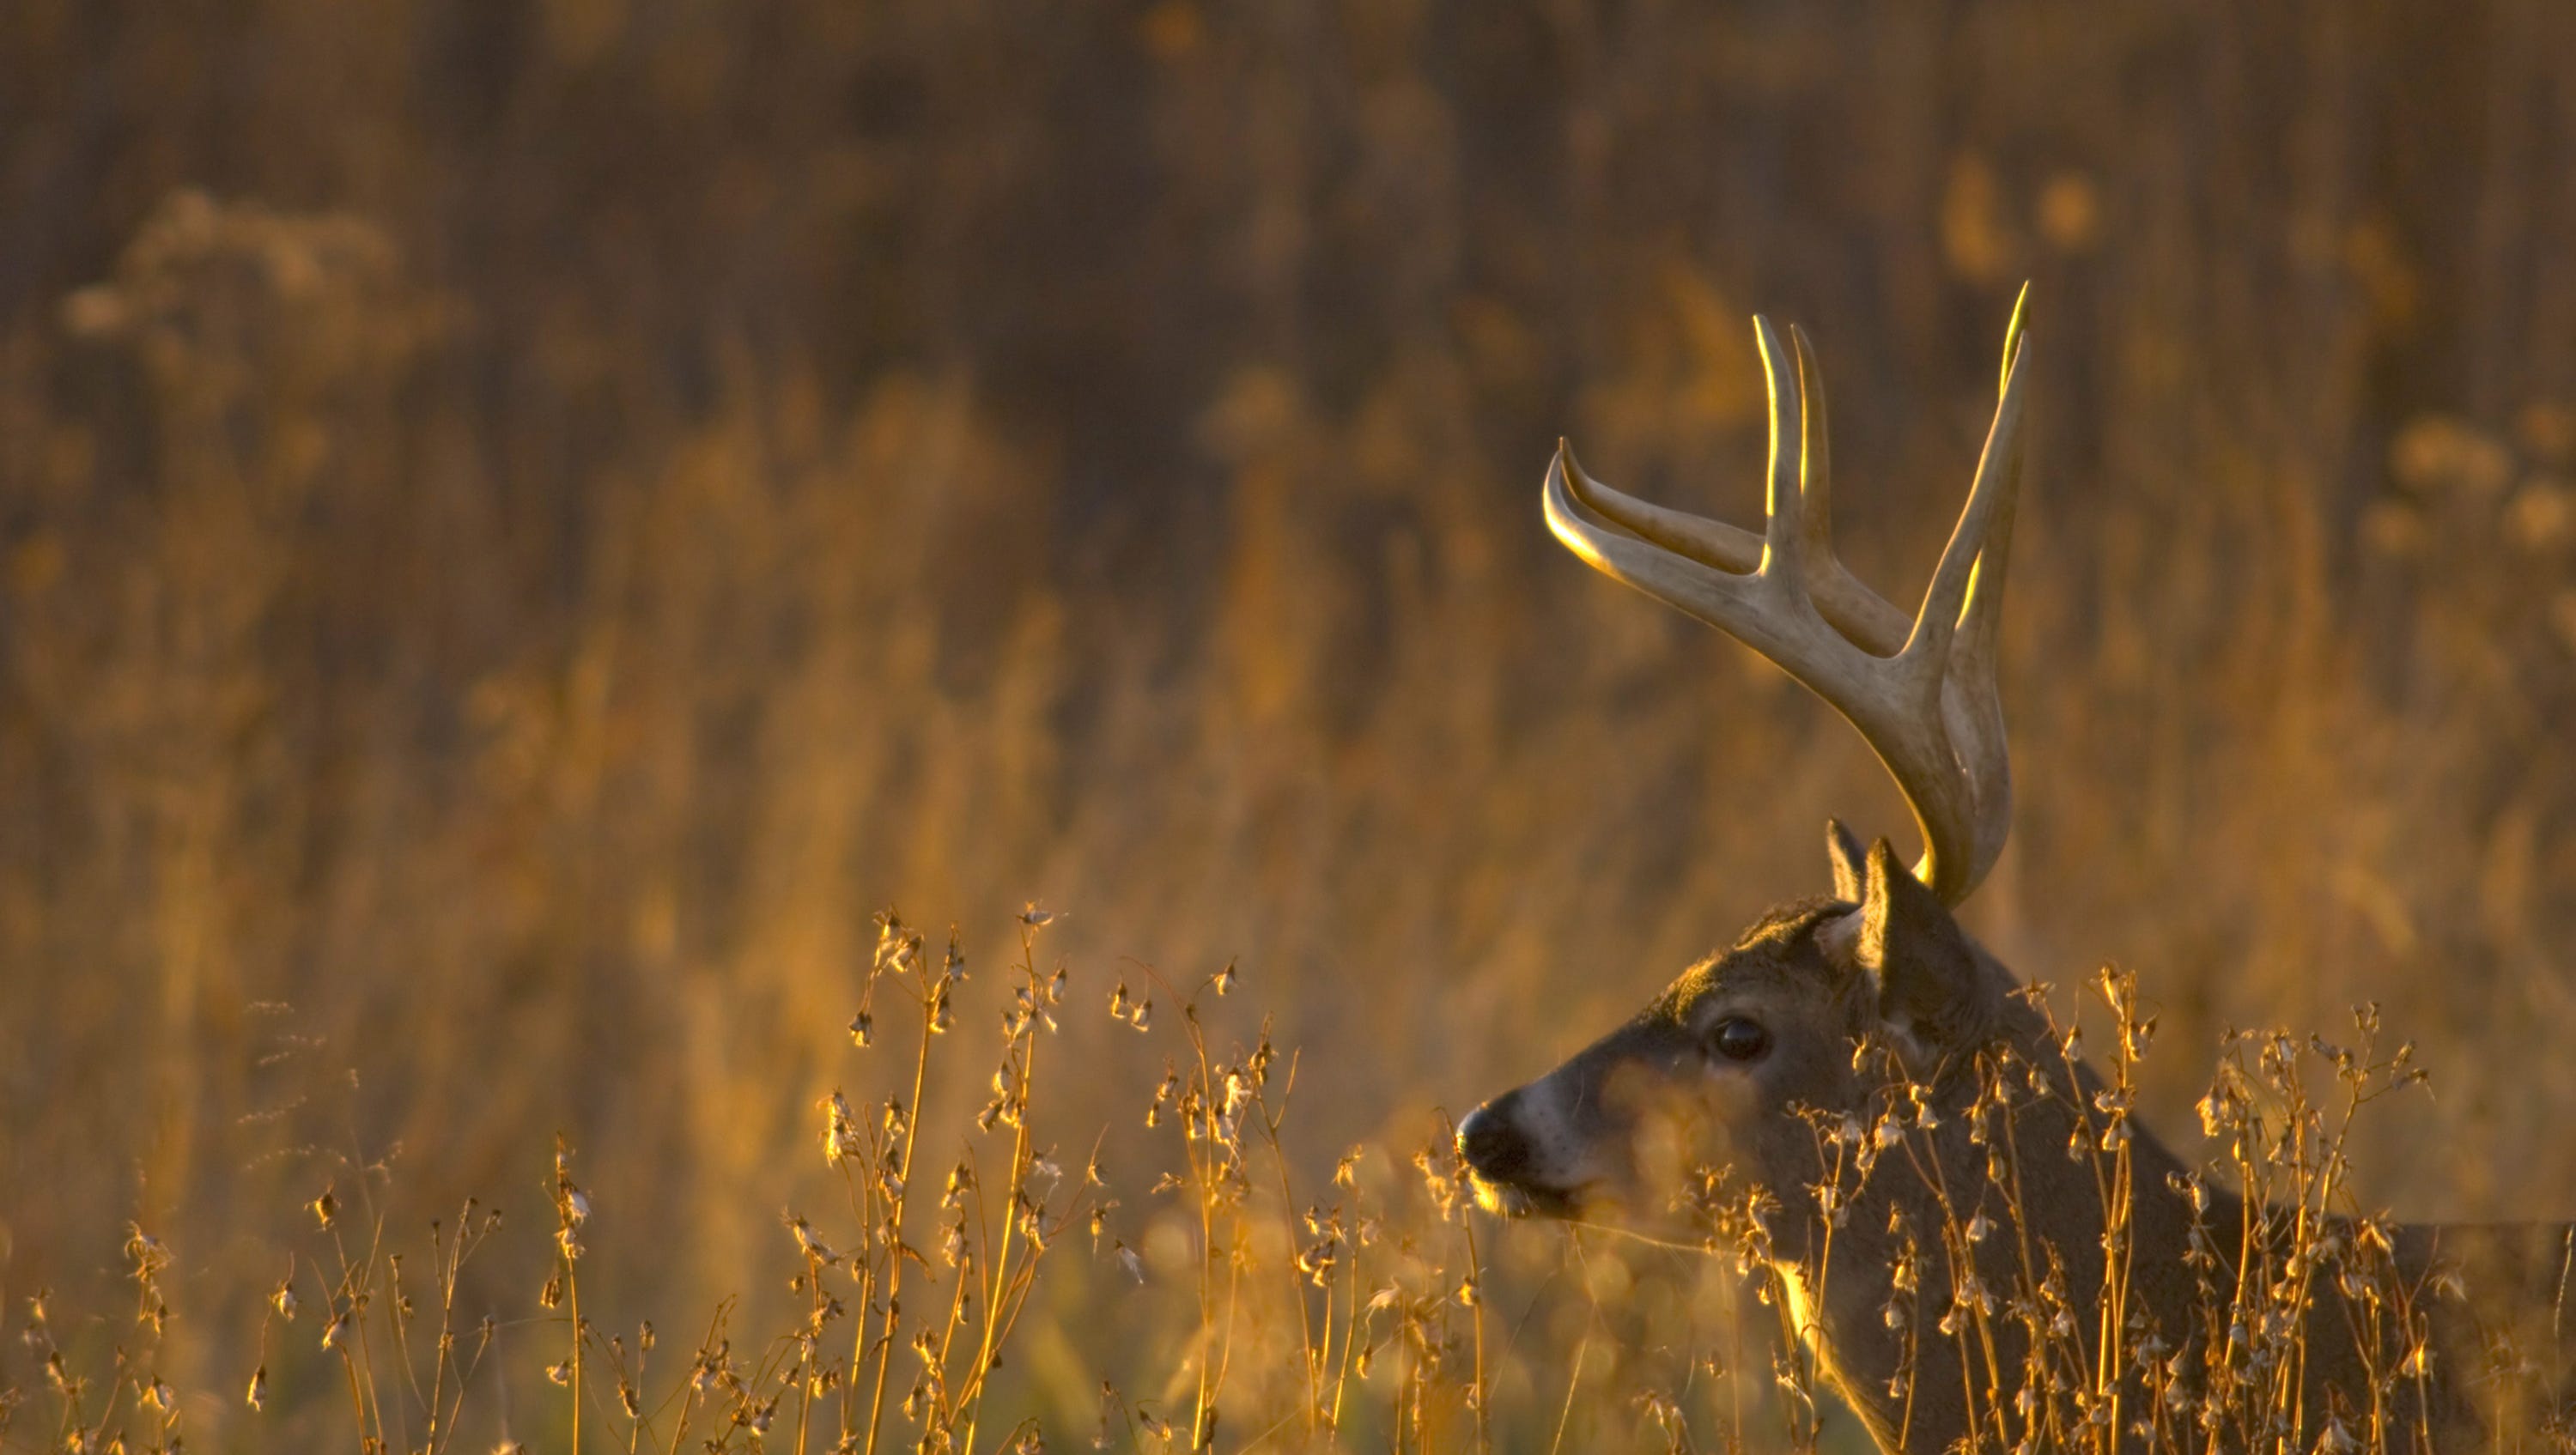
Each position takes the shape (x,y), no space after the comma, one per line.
(1848,861)
(1929,985)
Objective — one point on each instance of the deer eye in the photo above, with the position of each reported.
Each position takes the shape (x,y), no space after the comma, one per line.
(1738,1039)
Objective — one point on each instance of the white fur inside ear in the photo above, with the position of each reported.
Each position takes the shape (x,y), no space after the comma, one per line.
(1840,940)
(1839,937)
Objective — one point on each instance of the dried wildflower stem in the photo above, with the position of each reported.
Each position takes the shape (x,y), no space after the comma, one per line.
(709,1352)
(861,1192)
(363,1297)
(2118,991)
(1311,1359)
(1203,1432)
(1805,1294)
(1205,1171)
(1593,1325)
(1573,1382)
(1203,1425)
(1475,1308)
(1905,1280)
(1024,1284)
(448,1254)
(1020,1054)
(2043,1414)
(345,1303)
(89,1437)
(1004,1316)
(572,1305)
(804,1346)
(899,1198)
(1204,1194)
(1351,1319)
(1734,1366)
(969,1258)
(405,1368)
(635,1412)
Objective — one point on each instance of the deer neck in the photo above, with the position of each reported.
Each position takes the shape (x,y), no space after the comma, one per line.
(1903,1374)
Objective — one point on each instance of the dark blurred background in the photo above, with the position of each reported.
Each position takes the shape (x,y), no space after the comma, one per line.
(522,526)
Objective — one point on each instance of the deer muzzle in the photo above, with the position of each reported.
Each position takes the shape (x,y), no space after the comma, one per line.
(1515,1162)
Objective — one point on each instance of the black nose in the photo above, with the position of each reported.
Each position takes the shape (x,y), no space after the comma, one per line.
(1490,1139)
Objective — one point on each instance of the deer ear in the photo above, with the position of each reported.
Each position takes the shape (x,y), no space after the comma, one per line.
(1845,852)
(1929,986)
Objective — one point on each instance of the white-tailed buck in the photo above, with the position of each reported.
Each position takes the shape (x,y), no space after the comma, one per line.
(1954,1213)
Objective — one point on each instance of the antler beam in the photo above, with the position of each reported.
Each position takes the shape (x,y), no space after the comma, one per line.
(1922,692)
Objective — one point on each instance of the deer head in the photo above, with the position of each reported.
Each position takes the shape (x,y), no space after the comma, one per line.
(1727,1066)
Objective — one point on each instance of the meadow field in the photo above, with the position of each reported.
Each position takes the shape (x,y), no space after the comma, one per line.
(559,562)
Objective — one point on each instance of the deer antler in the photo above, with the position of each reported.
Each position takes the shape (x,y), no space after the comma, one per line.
(1921,692)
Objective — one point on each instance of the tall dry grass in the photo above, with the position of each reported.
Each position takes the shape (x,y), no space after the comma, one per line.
(1223,1305)
(521,528)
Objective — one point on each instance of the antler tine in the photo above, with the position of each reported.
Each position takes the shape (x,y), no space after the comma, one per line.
(1926,658)
(1712,543)
(1924,698)
(1954,680)
(1982,621)
(1841,597)
(1784,531)
(1816,490)
(1733,602)
(1973,702)
(1844,600)
(1767,607)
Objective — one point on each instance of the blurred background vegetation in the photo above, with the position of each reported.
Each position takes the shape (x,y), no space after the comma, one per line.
(523,526)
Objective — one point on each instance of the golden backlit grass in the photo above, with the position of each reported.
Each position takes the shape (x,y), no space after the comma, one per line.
(1011,1289)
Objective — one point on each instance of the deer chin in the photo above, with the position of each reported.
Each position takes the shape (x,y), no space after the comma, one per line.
(1593,1205)
(1525,1200)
